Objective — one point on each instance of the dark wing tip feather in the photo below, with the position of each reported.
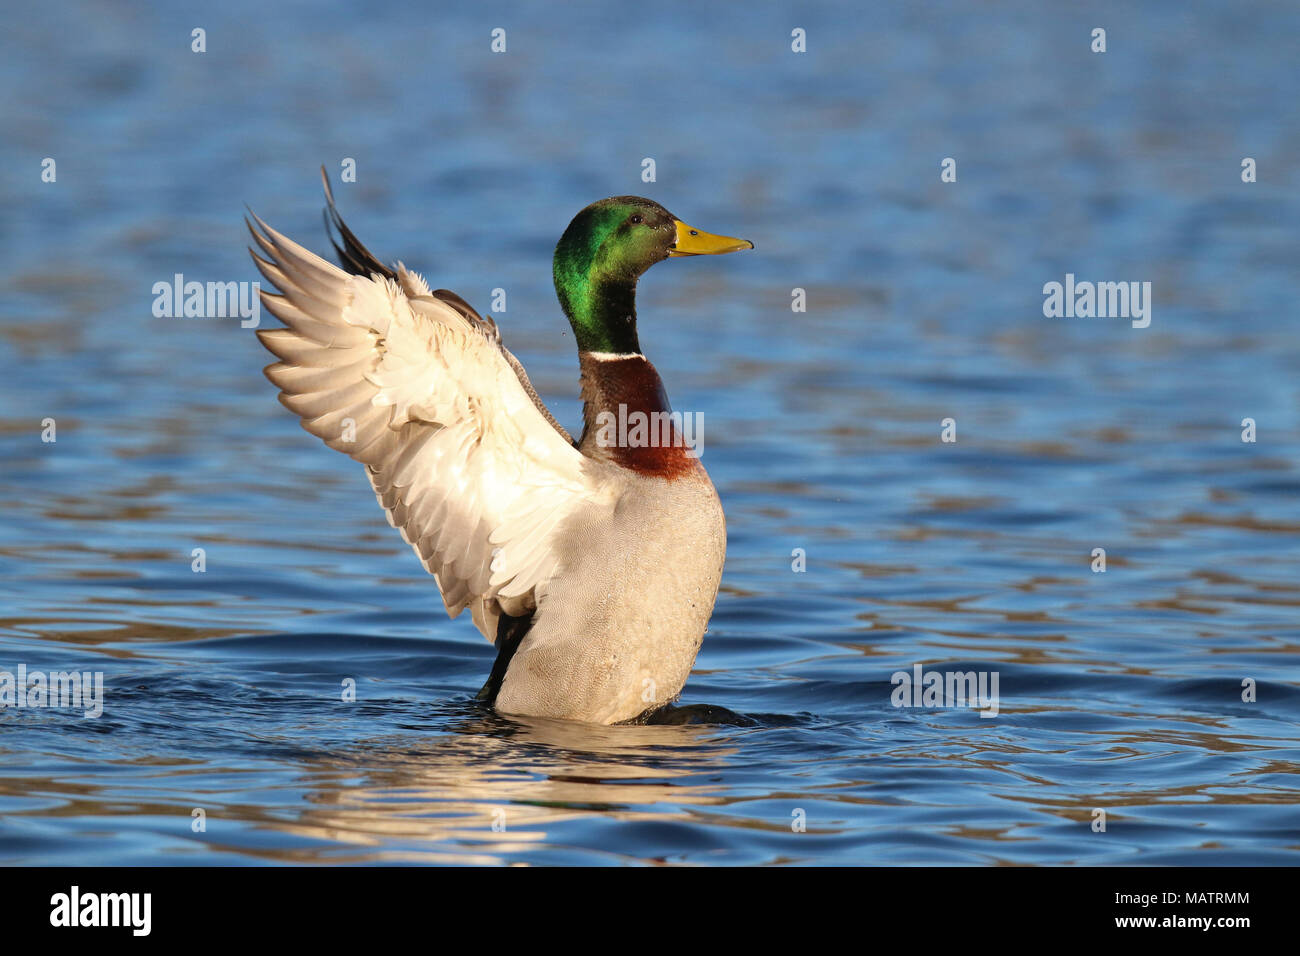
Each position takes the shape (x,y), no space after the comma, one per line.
(354,257)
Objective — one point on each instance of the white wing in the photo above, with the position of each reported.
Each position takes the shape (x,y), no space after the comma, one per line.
(460,457)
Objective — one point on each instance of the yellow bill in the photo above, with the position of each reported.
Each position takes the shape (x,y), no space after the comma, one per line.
(697,242)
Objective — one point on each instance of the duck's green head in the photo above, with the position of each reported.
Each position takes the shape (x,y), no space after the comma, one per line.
(602,254)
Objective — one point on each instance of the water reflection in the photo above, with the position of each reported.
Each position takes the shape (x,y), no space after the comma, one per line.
(492,787)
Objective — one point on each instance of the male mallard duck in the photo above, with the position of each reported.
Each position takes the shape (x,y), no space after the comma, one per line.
(592,565)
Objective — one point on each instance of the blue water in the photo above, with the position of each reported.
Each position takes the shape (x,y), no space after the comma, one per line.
(1119,691)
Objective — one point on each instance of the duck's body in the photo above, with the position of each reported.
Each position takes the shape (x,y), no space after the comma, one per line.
(617,632)
(592,565)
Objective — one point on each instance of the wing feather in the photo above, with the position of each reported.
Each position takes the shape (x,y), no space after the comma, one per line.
(465,461)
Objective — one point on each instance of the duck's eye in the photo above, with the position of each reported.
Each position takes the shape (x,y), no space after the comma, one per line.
(636,220)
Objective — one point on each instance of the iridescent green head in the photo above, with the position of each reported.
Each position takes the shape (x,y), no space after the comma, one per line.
(603,253)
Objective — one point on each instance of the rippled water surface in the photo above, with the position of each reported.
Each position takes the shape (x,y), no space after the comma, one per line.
(1119,691)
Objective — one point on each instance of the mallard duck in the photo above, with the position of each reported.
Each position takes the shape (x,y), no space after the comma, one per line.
(592,565)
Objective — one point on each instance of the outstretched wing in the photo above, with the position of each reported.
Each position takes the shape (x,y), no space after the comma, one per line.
(460,457)
(357,260)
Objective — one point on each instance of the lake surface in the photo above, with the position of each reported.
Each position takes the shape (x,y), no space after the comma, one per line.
(1119,691)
